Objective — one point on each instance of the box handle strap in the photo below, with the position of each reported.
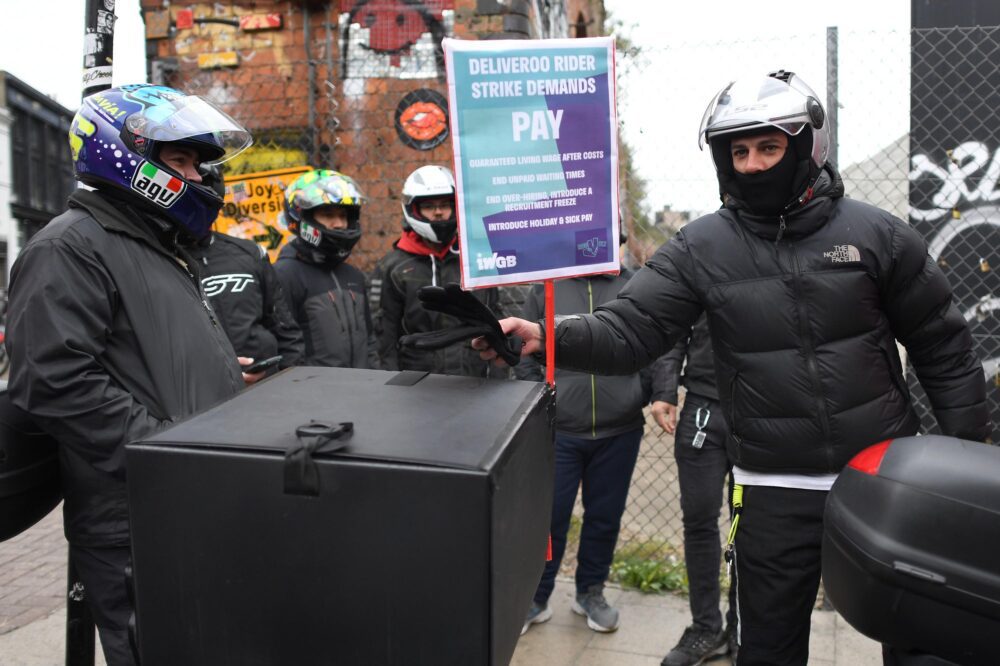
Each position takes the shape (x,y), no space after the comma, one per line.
(301,472)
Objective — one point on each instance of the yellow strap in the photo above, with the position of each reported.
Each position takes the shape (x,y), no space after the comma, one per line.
(737,510)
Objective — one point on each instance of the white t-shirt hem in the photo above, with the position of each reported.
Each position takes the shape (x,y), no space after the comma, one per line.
(746,477)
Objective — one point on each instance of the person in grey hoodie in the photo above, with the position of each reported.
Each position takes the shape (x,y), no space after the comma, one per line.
(599,425)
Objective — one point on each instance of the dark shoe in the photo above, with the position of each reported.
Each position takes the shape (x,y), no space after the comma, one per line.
(592,604)
(537,614)
(697,646)
(734,643)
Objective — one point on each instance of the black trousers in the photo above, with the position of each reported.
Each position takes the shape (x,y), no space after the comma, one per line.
(778,566)
(702,474)
(102,571)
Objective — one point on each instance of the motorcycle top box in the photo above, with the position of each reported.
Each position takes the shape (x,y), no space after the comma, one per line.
(338,516)
(29,470)
(912,528)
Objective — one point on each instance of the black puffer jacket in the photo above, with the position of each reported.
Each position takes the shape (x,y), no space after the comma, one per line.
(804,315)
(244,290)
(110,339)
(398,312)
(330,305)
(587,405)
(699,371)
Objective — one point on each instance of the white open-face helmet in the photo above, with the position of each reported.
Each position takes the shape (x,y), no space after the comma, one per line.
(429,182)
(780,100)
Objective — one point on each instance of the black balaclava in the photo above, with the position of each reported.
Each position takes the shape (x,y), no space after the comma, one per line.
(767,192)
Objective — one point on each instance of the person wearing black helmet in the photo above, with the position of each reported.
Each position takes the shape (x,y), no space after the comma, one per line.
(327,296)
(806,293)
(110,335)
(425,254)
(240,283)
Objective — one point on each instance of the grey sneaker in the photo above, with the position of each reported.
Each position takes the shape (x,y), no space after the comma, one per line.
(592,604)
(697,646)
(537,614)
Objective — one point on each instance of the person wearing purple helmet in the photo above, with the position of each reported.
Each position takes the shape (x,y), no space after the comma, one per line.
(110,335)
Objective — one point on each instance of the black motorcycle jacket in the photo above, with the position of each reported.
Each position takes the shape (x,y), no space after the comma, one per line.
(330,305)
(244,290)
(804,312)
(110,339)
(395,281)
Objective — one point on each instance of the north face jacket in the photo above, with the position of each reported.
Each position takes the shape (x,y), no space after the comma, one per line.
(587,405)
(395,281)
(330,305)
(694,354)
(804,313)
(110,339)
(244,290)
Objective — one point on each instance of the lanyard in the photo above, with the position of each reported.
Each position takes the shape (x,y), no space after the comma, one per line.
(701,418)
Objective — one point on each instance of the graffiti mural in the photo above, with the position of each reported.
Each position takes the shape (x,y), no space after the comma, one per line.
(955,181)
(394,38)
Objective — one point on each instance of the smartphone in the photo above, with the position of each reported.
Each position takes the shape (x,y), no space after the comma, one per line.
(261,366)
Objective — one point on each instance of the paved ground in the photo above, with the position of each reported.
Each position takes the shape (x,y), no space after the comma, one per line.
(33,620)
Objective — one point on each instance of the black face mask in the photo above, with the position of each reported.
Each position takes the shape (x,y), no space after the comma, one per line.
(768,192)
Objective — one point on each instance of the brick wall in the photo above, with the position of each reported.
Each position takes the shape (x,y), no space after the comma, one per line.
(352,124)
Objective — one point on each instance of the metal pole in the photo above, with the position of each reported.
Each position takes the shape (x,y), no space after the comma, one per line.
(98,45)
(80,640)
(832,92)
(98,50)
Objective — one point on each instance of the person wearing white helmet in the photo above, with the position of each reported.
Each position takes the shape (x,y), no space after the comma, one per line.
(806,293)
(425,254)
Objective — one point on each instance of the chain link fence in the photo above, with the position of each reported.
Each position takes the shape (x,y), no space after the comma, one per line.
(917,134)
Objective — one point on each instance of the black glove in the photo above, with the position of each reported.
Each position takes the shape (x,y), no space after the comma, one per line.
(478,321)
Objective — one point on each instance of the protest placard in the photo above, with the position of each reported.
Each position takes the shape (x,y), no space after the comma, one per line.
(536,158)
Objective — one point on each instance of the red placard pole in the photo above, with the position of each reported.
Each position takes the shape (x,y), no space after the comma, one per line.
(550,333)
(550,356)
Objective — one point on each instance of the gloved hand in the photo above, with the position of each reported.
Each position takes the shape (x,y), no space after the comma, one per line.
(479,321)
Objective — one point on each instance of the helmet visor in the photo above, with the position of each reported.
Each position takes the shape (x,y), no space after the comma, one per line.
(756,103)
(191,118)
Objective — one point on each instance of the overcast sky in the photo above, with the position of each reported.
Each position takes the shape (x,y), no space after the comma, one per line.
(41,43)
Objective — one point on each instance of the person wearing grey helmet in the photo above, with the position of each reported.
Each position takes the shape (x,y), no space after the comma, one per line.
(806,294)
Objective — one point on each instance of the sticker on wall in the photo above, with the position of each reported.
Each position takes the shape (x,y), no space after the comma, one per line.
(422,119)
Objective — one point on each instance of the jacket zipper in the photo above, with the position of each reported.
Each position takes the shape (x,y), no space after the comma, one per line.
(349,323)
(593,378)
(810,353)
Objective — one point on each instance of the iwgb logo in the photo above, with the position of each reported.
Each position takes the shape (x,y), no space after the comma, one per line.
(157,185)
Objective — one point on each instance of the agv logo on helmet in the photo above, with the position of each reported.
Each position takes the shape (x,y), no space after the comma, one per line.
(157,185)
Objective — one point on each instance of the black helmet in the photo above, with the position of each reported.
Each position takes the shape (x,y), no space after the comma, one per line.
(324,187)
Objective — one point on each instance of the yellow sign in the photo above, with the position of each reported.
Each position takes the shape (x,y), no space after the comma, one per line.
(254,203)
(215,60)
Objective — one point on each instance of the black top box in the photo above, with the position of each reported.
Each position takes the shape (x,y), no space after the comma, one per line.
(420,541)
(912,527)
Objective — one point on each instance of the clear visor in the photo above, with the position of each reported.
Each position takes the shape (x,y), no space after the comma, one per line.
(754,103)
(191,117)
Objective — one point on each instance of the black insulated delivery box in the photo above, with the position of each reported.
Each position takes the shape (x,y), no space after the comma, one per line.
(910,550)
(421,541)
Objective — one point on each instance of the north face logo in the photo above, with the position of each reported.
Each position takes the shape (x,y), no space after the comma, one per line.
(843,254)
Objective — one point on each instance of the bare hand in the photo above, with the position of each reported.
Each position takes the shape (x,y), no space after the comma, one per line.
(529,332)
(666,415)
(249,378)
